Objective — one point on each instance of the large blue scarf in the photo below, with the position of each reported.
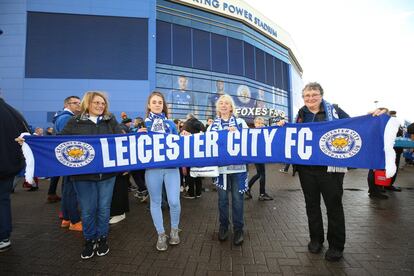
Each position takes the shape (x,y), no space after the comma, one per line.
(360,142)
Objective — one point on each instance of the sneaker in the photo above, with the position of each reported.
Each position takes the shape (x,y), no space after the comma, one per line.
(198,196)
(314,247)
(65,223)
(392,188)
(264,197)
(76,226)
(53,198)
(162,242)
(333,255)
(5,245)
(144,196)
(89,249)
(188,196)
(238,237)
(33,189)
(132,188)
(283,171)
(102,247)
(223,234)
(116,219)
(248,195)
(174,237)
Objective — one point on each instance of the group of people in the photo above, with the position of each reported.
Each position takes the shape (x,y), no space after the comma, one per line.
(94,192)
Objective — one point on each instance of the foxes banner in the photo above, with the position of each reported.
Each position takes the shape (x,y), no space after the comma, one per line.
(360,142)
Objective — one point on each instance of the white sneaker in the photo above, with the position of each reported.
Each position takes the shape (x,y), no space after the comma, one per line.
(116,219)
(5,245)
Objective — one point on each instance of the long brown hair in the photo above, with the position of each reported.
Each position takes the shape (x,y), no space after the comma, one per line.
(164,103)
(88,98)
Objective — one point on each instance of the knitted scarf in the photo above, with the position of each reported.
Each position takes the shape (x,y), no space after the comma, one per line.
(158,123)
(221,180)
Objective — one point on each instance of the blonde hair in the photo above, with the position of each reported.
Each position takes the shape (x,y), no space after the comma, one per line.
(88,98)
(259,119)
(228,98)
(164,103)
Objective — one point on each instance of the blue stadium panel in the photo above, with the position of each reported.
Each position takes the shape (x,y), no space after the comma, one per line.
(219,53)
(236,66)
(71,46)
(201,50)
(181,45)
(163,42)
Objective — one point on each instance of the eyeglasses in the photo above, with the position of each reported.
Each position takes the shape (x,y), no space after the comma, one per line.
(99,103)
(76,103)
(307,96)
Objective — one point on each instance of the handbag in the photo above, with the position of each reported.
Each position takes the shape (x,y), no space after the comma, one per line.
(209,171)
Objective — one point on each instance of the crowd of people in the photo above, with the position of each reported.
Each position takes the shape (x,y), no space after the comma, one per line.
(91,202)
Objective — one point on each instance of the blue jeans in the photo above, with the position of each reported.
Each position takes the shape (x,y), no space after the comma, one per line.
(6,186)
(155,179)
(95,201)
(237,203)
(69,203)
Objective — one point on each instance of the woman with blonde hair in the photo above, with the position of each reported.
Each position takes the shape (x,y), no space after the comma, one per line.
(233,178)
(94,191)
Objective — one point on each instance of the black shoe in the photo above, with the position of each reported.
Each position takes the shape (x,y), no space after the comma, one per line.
(392,188)
(333,255)
(248,195)
(377,195)
(238,237)
(102,248)
(89,249)
(264,197)
(33,189)
(314,247)
(223,234)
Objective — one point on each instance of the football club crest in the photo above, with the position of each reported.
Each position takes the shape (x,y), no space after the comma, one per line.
(243,93)
(74,154)
(340,143)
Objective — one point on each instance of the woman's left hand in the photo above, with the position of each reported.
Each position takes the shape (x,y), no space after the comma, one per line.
(232,128)
(19,140)
(185,133)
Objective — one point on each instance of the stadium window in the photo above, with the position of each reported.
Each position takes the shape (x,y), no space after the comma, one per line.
(201,50)
(270,70)
(260,66)
(163,42)
(181,46)
(249,66)
(235,56)
(62,46)
(219,53)
(278,73)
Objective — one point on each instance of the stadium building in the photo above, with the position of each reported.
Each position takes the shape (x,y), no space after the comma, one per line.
(191,50)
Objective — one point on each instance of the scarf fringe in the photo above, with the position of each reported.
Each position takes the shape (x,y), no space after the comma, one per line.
(391,129)
(337,169)
(30,162)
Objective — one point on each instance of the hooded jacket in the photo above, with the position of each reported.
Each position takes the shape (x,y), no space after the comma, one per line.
(12,124)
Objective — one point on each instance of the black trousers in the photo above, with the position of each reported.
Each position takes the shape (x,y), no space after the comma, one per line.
(120,200)
(193,182)
(139,178)
(260,173)
(315,181)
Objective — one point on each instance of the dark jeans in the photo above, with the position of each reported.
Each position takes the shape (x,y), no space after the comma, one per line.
(237,203)
(95,201)
(315,181)
(6,186)
(261,173)
(194,185)
(398,153)
(69,203)
(53,185)
(120,200)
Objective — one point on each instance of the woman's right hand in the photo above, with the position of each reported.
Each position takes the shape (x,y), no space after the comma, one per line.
(281,123)
(142,129)
(19,140)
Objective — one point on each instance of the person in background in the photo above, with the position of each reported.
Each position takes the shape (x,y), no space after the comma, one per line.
(126,123)
(181,101)
(94,191)
(232,178)
(157,121)
(398,153)
(12,124)
(192,125)
(260,172)
(49,131)
(323,180)
(139,175)
(69,205)
(38,131)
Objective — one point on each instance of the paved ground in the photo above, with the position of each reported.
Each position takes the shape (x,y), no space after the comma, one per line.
(379,236)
